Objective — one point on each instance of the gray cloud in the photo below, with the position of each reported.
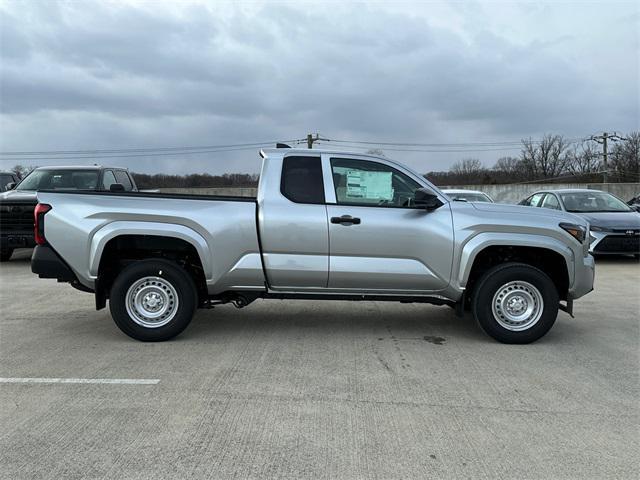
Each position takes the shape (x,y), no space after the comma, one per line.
(106,75)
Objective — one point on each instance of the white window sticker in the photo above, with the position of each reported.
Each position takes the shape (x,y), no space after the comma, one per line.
(369,185)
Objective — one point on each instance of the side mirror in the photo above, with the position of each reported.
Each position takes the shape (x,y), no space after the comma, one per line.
(116,187)
(427,199)
(10,186)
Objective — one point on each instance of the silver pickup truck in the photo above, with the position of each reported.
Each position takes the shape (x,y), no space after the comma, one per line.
(325,225)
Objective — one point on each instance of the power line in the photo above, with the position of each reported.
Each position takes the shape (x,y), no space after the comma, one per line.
(446,145)
(426,150)
(150,154)
(602,139)
(140,150)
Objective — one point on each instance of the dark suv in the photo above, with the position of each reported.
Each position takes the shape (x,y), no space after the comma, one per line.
(17,204)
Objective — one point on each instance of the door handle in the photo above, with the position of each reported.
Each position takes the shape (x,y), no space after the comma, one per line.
(346,220)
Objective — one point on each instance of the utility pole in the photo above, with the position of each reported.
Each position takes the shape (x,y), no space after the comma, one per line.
(311,139)
(602,139)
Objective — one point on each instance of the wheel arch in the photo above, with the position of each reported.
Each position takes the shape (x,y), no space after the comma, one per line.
(101,238)
(546,253)
(115,247)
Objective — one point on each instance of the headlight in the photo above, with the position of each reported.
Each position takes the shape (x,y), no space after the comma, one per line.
(576,231)
(600,229)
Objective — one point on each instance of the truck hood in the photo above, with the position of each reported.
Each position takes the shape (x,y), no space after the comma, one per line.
(615,220)
(530,212)
(21,196)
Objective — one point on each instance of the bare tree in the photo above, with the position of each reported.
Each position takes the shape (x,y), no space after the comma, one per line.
(468,170)
(545,159)
(584,159)
(509,165)
(22,170)
(624,161)
(467,166)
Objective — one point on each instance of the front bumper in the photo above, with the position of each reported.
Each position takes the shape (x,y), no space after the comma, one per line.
(584,277)
(614,243)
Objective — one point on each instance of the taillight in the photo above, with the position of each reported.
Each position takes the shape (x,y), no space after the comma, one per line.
(38,225)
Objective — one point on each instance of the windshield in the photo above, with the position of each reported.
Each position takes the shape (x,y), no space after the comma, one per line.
(593,202)
(469,197)
(60,180)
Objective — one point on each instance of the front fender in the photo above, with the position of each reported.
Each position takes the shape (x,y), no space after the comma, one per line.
(483,240)
(115,229)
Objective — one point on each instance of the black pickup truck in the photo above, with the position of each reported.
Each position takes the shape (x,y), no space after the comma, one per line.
(17,204)
(8,180)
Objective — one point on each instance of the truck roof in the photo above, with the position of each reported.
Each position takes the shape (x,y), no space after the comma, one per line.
(272,150)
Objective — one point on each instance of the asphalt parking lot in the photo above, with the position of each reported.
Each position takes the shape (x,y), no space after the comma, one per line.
(300,389)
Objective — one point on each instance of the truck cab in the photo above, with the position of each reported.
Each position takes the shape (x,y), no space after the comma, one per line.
(347,223)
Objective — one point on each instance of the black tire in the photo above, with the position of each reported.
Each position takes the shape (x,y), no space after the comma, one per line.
(168,273)
(493,282)
(5,254)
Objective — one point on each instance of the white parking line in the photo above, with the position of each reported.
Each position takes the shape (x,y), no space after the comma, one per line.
(110,381)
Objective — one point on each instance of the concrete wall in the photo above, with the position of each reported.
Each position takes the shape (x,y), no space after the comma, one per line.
(513,193)
(508,193)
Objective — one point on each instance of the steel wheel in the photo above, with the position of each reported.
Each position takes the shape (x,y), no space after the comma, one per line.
(152,302)
(517,306)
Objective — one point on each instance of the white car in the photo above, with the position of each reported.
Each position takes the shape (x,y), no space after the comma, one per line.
(468,195)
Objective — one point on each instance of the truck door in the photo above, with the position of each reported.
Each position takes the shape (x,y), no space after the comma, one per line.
(379,241)
(293,223)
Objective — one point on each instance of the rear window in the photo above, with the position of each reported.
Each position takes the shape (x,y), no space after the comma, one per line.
(302,180)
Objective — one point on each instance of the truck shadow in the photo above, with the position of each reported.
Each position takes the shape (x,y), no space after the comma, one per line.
(431,324)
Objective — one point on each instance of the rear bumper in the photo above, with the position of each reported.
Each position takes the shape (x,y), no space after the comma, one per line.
(46,263)
(584,277)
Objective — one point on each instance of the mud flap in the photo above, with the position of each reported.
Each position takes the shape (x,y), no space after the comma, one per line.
(568,307)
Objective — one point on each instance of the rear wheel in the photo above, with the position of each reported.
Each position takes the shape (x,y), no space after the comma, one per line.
(5,254)
(153,300)
(515,303)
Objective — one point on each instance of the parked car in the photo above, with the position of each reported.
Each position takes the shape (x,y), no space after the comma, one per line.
(635,203)
(17,204)
(8,180)
(325,225)
(615,227)
(467,195)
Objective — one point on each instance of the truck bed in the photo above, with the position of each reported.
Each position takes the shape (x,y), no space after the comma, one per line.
(222,229)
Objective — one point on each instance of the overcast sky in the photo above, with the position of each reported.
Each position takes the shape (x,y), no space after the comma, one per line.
(104,75)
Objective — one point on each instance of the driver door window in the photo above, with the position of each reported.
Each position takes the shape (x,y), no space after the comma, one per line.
(371,184)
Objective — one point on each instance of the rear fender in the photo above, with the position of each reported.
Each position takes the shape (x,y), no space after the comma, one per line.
(115,229)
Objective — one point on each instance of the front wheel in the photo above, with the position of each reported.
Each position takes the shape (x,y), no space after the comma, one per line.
(515,303)
(153,300)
